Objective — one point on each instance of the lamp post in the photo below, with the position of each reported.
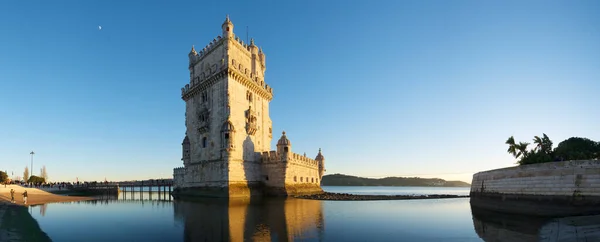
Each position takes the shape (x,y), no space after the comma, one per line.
(31,173)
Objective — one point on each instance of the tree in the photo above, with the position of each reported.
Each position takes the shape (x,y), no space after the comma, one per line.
(26,174)
(44,173)
(543,144)
(546,144)
(3,177)
(36,180)
(512,147)
(576,148)
(522,149)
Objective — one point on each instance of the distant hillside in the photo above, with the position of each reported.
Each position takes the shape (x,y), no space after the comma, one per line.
(345,180)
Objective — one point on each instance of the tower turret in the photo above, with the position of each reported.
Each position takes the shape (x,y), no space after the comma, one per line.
(193,55)
(321,159)
(227,28)
(186,150)
(284,146)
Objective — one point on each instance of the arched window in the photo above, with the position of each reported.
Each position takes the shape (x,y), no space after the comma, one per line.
(301,180)
(285,149)
(204,141)
(295,179)
(227,131)
(312,180)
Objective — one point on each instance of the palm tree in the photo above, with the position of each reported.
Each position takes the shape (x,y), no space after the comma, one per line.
(522,149)
(512,146)
(547,144)
(539,143)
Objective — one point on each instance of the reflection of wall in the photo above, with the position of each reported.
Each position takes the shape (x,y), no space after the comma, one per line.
(499,227)
(582,228)
(241,220)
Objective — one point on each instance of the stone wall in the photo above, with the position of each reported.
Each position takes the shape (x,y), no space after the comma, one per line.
(568,187)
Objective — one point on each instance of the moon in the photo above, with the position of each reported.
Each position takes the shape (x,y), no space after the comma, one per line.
(99,27)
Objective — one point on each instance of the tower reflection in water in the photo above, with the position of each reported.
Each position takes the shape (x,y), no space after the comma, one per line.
(243,220)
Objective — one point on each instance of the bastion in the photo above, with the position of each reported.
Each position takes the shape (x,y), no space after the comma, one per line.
(567,188)
(226,151)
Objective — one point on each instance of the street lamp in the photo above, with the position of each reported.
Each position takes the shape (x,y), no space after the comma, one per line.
(31,173)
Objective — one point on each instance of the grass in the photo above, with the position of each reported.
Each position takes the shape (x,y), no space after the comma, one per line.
(18,220)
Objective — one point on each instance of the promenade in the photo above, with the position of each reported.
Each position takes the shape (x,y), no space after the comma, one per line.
(35,196)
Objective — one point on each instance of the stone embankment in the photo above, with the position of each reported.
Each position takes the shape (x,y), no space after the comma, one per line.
(354,197)
(567,188)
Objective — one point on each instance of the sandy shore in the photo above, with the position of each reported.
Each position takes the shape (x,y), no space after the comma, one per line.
(35,196)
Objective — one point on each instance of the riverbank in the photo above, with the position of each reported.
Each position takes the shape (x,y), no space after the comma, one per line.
(36,196)
(353,197)
(16,224)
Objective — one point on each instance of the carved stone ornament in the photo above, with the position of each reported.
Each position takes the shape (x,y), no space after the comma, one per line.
(251,124)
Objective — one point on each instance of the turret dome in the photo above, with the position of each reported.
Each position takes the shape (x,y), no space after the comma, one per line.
(284,140)
(320,156)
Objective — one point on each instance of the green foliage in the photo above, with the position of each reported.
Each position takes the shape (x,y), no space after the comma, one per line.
(36,180)
(3,177)
(574,148)
(535,157)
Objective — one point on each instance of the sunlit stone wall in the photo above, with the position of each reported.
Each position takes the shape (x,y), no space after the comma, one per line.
(567,178)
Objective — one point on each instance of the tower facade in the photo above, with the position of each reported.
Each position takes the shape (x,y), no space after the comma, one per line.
(228,126)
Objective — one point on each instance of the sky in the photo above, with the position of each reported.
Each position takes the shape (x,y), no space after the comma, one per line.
(385,88)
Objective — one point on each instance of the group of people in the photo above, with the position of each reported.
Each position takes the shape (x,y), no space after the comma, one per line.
(12,196)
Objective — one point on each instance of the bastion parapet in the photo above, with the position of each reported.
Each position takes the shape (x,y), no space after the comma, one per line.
(567,188)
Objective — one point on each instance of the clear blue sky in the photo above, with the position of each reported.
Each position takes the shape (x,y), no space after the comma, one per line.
(386,88)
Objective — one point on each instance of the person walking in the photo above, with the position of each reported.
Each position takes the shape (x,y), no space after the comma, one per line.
(12,195)
(25,197)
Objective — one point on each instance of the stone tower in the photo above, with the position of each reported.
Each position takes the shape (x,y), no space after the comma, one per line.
(227,112)
(226,151)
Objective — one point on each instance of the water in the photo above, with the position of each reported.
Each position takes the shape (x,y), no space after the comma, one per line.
(368,190)
(150,217)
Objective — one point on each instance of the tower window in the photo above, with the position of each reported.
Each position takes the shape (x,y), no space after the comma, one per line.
(204,142)
(249,96)
(295,179)
(285,149)
(301,180)
(227,29)
(266,178)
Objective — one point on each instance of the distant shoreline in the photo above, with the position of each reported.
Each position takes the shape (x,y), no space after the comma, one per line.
(330,196)
(323,185)
(347,180)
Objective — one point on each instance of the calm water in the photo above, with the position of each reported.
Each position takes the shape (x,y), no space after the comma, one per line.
(151,217)
(398,190)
